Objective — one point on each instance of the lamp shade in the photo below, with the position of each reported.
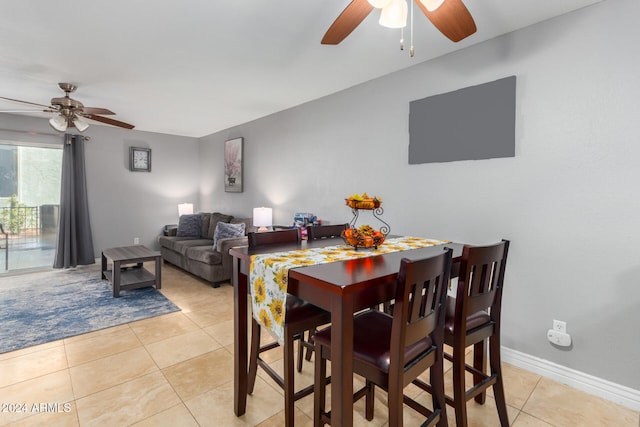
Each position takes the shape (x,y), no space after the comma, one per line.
(59,123)
(262,218)
(394,15)
(379,4)
(432,5)
(80,123)
(185,209)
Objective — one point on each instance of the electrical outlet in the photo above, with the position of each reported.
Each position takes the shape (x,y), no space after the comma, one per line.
(560,326)
(136,241)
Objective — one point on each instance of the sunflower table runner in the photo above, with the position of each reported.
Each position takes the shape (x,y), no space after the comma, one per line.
(269,273)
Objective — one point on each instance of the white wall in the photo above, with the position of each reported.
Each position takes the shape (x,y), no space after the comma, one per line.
(567,201)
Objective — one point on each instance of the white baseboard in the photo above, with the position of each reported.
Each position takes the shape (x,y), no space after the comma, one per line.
(616,393)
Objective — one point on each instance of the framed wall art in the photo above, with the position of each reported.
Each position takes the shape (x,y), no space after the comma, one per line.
(233,165)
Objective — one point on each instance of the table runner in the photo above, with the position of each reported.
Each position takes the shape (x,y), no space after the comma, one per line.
(269,273)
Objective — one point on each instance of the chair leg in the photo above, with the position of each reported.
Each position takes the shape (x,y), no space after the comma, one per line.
(498,387)
(370,399)
(289,390)
(459,388)
(300,352)
(480,363)
(395,399)
(253,355)
(320,387)
(312,332)
(436,374)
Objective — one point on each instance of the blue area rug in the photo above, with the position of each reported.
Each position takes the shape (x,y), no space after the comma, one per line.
(41,307)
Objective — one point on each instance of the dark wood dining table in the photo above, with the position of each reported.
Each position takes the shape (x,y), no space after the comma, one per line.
(342,288)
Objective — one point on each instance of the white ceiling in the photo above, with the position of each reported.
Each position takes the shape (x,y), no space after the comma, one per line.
(200,66)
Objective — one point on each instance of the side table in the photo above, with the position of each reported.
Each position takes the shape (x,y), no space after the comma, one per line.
(123,276)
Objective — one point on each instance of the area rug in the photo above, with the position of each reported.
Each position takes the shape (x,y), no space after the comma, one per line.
(41,307)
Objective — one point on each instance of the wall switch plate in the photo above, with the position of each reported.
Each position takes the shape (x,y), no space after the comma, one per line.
(136,240)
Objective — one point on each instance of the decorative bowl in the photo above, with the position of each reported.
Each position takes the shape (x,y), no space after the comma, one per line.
(368,203)
(357,239)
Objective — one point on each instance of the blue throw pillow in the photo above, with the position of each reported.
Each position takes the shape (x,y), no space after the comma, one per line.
(189,226)
(225,230)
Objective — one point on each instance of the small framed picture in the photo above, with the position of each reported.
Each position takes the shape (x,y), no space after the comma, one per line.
(233,166)
(139,159)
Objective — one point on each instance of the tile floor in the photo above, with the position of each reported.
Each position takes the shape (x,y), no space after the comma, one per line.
(177,370)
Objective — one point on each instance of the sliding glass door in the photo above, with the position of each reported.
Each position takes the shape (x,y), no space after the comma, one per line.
(29,203)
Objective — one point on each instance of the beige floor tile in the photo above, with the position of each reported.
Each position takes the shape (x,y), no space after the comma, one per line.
(200,374)
(33,349)
(127,403)
(561,405)
(162,327)
(109,371)
(299,418)
(97,333)
(215,407)
(31,365)
(177,416)
(518,385)
(221,332)
(101,345)
(182,347)
(48,389)
(525,420)
(209,313)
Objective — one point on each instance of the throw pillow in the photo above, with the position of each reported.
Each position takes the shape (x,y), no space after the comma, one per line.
(225,230)
(189,226)
(217,217)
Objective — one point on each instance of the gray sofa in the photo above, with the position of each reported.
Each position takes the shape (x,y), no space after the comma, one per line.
(197,254)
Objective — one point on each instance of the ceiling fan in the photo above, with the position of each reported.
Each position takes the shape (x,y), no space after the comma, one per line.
(450,17)
(71,113)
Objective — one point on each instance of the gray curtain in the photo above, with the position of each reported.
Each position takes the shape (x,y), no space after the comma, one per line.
(75,242)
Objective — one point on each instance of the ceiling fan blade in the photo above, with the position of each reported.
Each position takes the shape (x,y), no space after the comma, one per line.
(27,111)
(27,102)
(109,121)
(452,18)
(347,21)
(92,110)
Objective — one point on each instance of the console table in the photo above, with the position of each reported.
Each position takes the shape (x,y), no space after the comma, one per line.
(123,275)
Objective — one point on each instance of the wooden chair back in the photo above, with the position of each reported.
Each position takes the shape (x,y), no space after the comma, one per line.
(291,235)
(325,231)
(419,310)
(479,289)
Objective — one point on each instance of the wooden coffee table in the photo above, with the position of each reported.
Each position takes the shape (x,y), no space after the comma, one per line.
(127,271)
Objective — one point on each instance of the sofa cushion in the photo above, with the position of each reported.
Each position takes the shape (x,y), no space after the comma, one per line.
(205,218)
(189,226)
(226,230)
(248,224)
(215,218)
(204,254)
(181,244)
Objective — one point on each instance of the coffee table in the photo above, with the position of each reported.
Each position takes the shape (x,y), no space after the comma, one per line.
(123,275)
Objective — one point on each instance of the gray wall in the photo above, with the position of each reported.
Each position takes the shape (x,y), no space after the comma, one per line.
(568,200)
(125,204)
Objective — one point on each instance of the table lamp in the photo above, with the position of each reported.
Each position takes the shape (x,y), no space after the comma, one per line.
(185,209)
(262,218)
